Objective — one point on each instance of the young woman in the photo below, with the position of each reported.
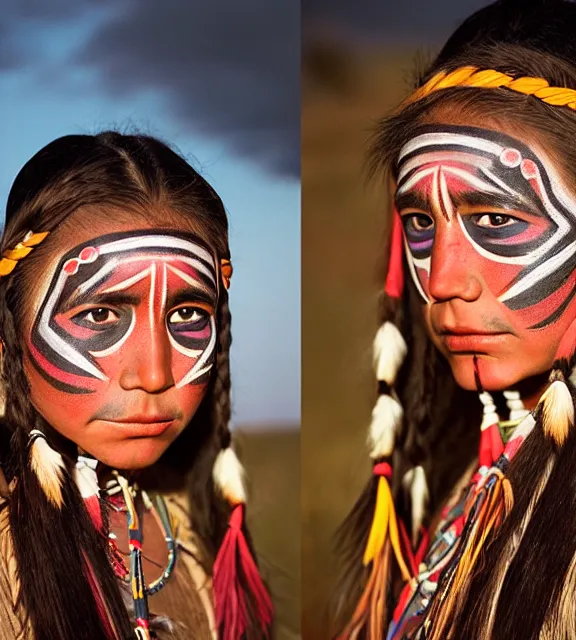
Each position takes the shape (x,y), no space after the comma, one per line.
(122,502)
(466,529)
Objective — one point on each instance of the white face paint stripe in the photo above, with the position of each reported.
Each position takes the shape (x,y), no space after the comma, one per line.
(412,268)
(414,180)
(505,188)
(187,279)
(190,353)
(438,156)
(443,139)
(59,345)
(170,242)
(472,180)
(129,282)
(198,370)
(98,276)
(444,195)
(540,272)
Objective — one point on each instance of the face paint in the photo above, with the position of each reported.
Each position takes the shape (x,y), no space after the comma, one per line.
(125,337)
(487,222)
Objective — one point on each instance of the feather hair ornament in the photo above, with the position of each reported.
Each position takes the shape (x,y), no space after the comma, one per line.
(557,409)
(389,352)
(48,465)
(235,570)
(87,482)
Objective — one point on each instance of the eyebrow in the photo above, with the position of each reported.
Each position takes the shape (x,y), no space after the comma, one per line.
(496,201)
(188,295)
(415,200)
(119,298)
(411,200)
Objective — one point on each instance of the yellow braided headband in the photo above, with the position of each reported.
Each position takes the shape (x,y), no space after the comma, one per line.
(10,257)
(491,79)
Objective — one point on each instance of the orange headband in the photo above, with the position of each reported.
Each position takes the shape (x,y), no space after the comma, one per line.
(492,79)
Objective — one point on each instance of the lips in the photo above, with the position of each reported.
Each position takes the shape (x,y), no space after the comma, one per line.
(139,425)
(464,340)
(143,418)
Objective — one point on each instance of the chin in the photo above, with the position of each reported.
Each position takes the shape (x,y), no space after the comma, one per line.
(133,455)
(495,374)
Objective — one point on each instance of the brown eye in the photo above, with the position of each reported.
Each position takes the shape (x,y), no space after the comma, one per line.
(186,314)
(100,316)
(420,222)
(493,220)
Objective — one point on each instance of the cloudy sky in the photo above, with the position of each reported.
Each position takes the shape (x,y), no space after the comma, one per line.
(220,80)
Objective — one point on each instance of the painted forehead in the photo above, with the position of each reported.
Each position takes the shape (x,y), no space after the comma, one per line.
(443,167)
(118,261)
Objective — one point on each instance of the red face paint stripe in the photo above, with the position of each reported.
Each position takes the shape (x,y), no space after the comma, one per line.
(54,372)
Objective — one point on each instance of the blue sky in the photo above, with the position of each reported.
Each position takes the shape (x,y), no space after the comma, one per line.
(75,69)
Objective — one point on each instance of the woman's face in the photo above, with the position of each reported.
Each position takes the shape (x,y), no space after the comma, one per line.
(490,237)
(122,339)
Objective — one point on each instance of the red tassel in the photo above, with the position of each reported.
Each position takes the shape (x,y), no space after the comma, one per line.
(491,447)
(234,558)
(95,512)
(395,278)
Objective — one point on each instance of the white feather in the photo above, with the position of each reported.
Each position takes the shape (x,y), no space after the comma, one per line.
(48,466)
(415,482)
(557,412)
(386,420)
(228,475)
(86,478)
(389,351)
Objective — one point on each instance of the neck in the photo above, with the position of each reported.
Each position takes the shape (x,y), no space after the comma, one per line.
(532,389)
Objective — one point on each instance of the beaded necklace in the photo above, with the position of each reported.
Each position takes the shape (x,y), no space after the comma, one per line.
(135,574)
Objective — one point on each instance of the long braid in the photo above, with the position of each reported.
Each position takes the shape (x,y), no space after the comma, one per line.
(56,592)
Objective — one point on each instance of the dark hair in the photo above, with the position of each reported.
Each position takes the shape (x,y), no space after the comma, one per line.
(132,175)
(439,422)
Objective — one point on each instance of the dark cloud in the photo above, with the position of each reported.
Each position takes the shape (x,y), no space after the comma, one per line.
(394,21)
(227,68)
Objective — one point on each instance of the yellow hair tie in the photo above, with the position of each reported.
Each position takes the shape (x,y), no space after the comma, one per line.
(492,79)
(226,271)
(10,257)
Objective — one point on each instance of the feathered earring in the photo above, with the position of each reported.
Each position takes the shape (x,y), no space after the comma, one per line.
(87,482)
(235,571)
(48,465)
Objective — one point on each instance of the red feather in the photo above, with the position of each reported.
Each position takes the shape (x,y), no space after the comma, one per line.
(234,560)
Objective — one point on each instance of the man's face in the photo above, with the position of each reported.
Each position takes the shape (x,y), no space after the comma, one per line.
(119,353)
(490,237)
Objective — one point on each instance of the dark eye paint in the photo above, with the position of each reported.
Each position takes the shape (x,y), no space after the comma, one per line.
(419,230)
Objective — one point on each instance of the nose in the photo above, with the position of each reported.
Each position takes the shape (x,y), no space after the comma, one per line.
(149,366)
(453,267)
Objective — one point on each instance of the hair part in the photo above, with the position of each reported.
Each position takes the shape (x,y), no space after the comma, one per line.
(75,178)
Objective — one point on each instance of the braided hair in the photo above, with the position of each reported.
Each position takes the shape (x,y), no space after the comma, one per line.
(530,561)
(59,553)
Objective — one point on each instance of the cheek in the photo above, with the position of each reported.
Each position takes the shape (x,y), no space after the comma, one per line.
(66,412)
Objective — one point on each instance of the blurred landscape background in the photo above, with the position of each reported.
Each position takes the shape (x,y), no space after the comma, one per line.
(358,63)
